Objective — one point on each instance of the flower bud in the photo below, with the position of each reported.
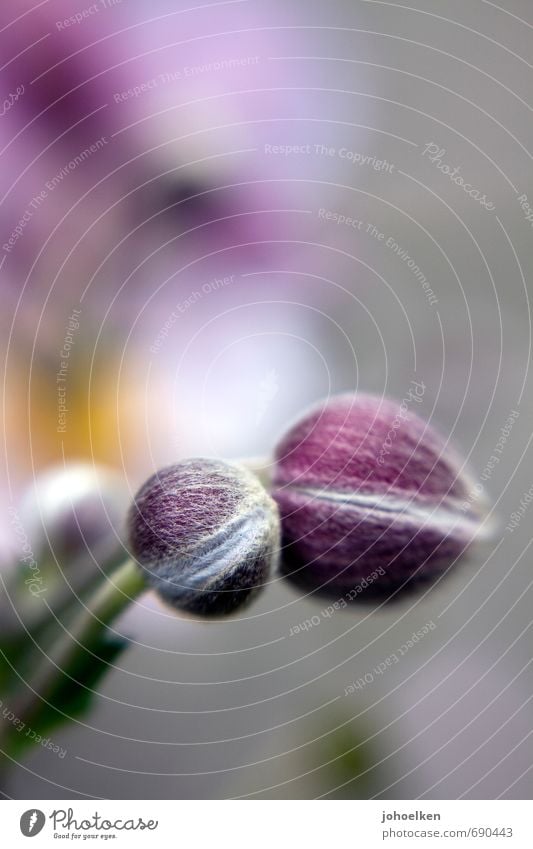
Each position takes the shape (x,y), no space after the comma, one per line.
(206,532)
(64,535)
(370,497)
(74,515)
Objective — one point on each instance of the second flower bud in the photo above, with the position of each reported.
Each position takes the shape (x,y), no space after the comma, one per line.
(207,533)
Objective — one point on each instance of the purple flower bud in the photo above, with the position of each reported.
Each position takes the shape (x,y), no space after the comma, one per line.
(206,532)
(370,499)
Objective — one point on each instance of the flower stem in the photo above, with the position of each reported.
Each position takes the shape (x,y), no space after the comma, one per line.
(34,614)
(107,602)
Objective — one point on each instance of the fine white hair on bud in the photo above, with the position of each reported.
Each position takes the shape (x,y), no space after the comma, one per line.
(206,532)
(372,497)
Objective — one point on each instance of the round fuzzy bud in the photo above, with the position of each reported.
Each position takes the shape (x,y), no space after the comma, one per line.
(371,499)
(206,532)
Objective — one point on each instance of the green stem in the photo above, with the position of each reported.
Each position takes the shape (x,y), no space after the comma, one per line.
(35,617)
(107,602)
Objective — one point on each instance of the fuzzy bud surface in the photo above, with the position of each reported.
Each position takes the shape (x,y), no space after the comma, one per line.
(365,484)
(207,533)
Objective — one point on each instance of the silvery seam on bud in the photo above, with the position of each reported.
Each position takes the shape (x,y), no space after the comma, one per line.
(345,515)
(206,533)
